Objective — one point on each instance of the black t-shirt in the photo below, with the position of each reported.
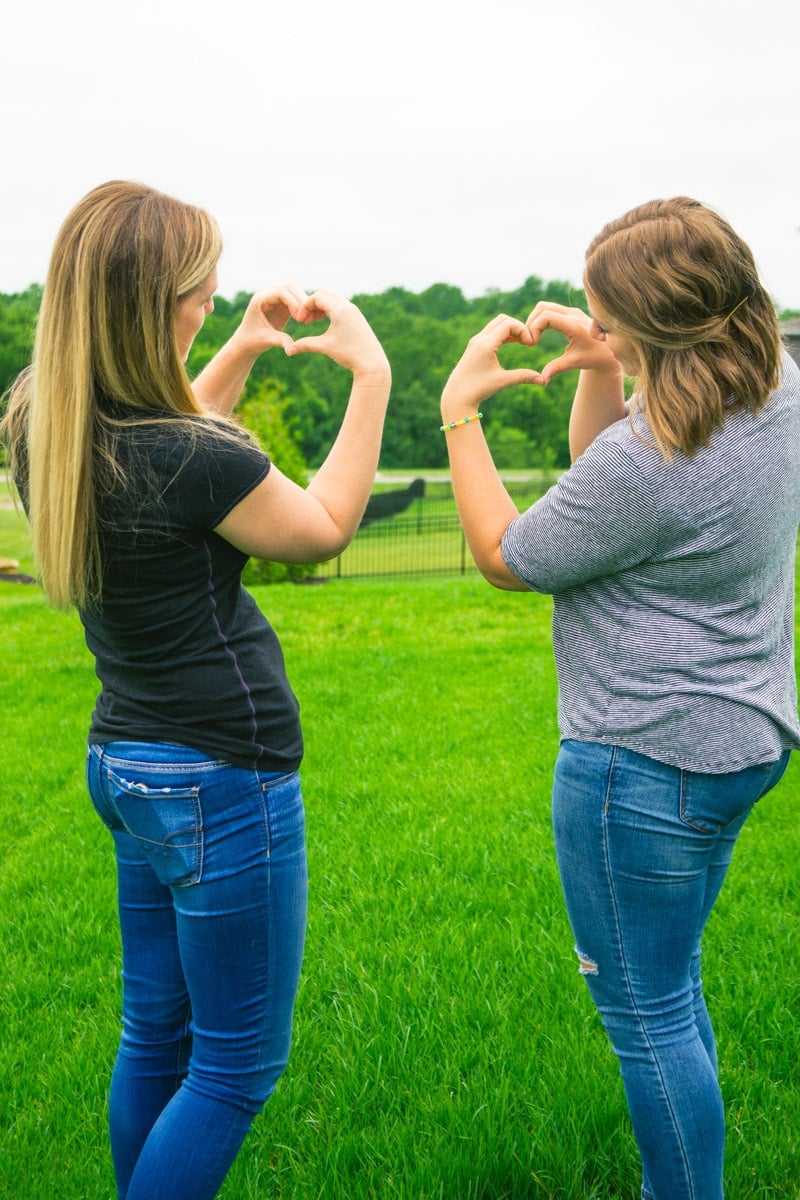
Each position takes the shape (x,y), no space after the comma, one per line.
(182,651)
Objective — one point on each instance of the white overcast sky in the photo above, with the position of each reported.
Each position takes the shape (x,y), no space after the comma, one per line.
(359,145)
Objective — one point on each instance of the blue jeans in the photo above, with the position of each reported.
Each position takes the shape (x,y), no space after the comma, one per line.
(212,903)
(642,850)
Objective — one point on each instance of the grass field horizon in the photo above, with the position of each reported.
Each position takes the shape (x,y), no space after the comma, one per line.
(445,1046)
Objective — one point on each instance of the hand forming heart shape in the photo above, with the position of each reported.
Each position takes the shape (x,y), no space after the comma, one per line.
(585,349)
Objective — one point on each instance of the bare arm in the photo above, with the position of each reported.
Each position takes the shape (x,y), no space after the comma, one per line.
(219,385)
(282,521)
(599,398)
(484,505)
(599,402)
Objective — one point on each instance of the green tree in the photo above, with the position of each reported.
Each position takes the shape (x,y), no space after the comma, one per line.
(423,335)
(17,327)
(512,449)
(264,414)
(442,301)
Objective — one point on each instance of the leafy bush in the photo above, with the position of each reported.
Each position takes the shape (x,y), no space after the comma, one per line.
(263,413)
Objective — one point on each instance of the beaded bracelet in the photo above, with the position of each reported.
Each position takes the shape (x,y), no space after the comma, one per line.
(464,421)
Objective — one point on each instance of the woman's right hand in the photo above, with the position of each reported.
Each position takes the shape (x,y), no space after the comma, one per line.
(264,320)
(585,349)
(281,521)
(348,340)
(478,374)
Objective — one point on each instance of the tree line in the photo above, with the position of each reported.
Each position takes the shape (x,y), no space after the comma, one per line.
(295,404)
(423,334)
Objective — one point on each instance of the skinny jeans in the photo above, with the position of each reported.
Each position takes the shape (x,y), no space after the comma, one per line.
(643,849)
(212,888)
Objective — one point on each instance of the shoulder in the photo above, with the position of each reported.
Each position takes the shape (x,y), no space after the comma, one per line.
(170,438)
(622,460)
(786,397)
(790,374)
(600,518)
(196,466)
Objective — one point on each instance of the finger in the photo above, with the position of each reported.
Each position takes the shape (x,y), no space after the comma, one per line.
(319,304)
(502,330)
(287,294)
(271,310)
(294,298)
(547,319)
(523,376)
(557,366)
(310,315)
(549,306)
(308,345)
(291,295)
(284,341)
(309,312)
(569,321)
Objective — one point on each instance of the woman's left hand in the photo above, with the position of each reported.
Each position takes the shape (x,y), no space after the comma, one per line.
(265,318)
(348,339)
(479,374)
(584,351)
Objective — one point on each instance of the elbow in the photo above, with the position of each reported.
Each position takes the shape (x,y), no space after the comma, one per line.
(334,544)
(503,580)
(494,570)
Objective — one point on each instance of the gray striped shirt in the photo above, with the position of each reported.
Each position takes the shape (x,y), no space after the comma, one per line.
(673,589)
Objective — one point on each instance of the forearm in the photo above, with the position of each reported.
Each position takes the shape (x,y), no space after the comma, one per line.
(599,402)
(344,481)
(220,384)
(484,505)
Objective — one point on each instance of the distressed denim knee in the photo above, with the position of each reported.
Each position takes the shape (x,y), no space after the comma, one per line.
(642,850)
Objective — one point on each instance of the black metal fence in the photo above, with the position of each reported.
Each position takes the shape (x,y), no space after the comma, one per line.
(415,530)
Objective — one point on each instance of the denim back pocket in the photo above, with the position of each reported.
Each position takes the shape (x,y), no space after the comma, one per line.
(711,802)
(165,822)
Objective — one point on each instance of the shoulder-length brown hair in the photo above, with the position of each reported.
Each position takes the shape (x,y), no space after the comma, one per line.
(683,286)
(121,262)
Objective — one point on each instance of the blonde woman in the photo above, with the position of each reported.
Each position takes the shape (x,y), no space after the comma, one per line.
(669,550)
(145,500)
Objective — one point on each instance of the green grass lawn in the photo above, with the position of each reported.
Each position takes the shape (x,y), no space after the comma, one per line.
(445,1045)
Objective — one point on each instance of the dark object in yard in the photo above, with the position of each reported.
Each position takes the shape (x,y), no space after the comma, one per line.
(388,504)
(10,572)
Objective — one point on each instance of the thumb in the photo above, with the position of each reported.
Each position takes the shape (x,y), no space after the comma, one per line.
(523,375)
(283,340)
(306,345)
(557,366)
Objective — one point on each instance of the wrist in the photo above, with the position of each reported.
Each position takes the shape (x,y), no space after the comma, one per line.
(448,425)
(456,406)
(375,374)
(608,371)
(242,349)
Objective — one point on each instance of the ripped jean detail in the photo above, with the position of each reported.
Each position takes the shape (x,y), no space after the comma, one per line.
(586,965)
(643,849)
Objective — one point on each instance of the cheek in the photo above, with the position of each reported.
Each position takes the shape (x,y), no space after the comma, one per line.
(189,323)
(187,326)
(623,349)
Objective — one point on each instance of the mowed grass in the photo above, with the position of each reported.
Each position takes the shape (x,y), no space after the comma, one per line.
(445,1046)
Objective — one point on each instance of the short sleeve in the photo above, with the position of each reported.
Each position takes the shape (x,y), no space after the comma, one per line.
(599,519)
(218,469)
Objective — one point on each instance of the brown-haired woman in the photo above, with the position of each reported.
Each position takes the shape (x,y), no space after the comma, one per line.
(669,549)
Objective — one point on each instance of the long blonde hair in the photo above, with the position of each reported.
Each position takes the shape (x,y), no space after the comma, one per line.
(122,260)
(683,286)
